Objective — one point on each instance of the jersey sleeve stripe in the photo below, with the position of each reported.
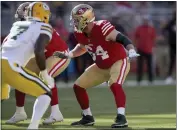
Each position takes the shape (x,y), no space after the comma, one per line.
(105,25)
(47,33)
(46,27)
(108,30)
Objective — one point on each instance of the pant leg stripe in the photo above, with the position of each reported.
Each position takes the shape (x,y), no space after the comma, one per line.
(122,71)
(35,79)
(58,67)
(32,81)
(55,66)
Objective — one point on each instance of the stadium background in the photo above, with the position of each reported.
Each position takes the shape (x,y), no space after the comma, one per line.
(149,105)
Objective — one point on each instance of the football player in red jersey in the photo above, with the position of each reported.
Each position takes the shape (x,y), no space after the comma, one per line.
(107,46)
(54,66)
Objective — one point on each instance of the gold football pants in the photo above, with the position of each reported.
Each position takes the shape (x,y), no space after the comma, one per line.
(94,76)
(21,79)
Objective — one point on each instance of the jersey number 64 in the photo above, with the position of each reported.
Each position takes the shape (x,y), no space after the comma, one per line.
(99,52)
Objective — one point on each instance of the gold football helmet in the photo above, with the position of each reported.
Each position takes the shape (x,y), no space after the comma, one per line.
(81,15)
(38,11)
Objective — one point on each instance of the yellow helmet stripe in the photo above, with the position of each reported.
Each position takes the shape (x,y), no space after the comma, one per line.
(31,9)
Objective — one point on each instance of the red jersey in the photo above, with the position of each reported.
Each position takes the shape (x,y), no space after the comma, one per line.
(104,53)
(56,44)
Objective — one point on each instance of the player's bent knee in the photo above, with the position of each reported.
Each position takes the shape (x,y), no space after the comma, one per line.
(76,85)
(111,82)
(80,83)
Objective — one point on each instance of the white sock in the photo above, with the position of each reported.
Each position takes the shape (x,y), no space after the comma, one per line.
(20,109)
(55,109)
(40,106)
(121,110)
(87,112)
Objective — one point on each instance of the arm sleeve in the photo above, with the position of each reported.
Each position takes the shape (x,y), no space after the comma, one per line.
(123,40)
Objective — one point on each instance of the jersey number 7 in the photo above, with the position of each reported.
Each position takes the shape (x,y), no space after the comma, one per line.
(18,31)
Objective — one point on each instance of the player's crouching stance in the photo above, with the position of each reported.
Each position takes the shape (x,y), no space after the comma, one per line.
(106,46)
(21,44)
(54,66)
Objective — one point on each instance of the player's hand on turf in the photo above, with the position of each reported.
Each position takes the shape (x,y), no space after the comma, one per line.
(62,55)
(47,78)
(132,54)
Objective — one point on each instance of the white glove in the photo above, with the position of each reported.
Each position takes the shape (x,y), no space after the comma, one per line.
(50,81)
(132,53)
(63,55)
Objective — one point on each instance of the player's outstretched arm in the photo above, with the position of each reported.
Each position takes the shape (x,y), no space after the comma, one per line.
(124,40)
(76,52)
(39,48)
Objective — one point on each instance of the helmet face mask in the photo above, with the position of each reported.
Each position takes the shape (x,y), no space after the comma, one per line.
(81,15)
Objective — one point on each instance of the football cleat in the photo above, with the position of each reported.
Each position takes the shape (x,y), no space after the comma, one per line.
(86,121)
(53,119)
(120,122)
(17,117)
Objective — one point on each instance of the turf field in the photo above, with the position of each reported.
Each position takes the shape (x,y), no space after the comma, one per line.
(147,107)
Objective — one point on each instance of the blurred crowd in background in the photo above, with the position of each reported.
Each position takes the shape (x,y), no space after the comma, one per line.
(150,25)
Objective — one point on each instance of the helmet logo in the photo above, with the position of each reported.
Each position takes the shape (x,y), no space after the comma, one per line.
(45,7)
(81,11)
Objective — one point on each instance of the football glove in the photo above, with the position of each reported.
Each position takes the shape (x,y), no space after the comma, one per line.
(47,78)
(132,54)
(62,55)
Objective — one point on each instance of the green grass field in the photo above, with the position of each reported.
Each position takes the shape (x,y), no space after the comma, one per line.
(147,107)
